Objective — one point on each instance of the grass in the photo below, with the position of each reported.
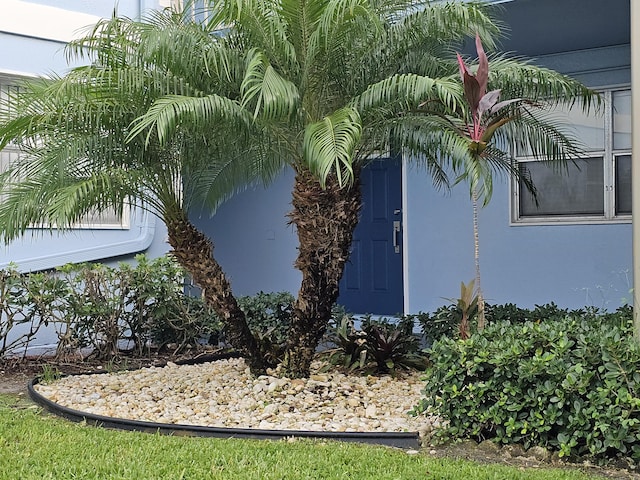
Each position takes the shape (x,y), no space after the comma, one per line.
(37,446)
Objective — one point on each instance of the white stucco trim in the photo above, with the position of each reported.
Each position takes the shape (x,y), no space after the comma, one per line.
(43,21)
(405,237)
(141,242)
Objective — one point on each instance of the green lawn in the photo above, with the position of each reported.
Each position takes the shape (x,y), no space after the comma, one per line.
(37,446)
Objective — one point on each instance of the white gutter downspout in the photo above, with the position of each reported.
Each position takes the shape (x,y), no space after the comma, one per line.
(635,156)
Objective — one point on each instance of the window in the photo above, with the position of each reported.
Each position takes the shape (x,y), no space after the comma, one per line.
(595,188)
(198,11)
(105,220)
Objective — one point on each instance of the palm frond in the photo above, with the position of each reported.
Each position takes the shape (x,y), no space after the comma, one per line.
(409,90)
(230,173)
(538,134)
(260,24)
(329,145)
(271,95)
(435,32)
(59,198)
(168,112)
(518,78)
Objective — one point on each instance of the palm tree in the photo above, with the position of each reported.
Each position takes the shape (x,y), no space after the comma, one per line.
(328,84)
(483,129)
(284,132)
(78,156)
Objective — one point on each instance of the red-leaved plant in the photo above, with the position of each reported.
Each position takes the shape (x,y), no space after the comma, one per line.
(488,114)
(482,103)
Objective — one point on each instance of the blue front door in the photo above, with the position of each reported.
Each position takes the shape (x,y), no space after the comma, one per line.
(372,280)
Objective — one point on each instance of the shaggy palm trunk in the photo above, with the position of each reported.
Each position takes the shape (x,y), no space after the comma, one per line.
(194,251)
(325,219)
(476,256)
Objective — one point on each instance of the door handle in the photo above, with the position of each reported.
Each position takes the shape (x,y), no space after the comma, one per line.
(396,231)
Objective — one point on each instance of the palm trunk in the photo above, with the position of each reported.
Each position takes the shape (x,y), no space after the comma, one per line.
(476,256)
(194,251)
(325,219)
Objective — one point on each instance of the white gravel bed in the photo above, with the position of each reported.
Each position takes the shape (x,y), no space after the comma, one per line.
(223,394)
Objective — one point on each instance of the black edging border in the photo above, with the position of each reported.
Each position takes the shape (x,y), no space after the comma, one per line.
(404,440)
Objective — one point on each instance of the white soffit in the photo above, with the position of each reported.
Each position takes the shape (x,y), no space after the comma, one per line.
(42,21)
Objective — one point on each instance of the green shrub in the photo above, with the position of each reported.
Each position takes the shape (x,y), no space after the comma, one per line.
(143,305)
(622,317)
(17,309)
(507,311)
(571,384)
(445,320)
(268,313)
(91,308)
(154,294)
(160,312)
(183,323)
(269,317)
(441,323)
(103,309)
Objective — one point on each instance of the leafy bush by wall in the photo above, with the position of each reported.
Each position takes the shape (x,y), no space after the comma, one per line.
(269,317)
(445,320)
(160,312)
(19,299)
(570,384)
(103,309)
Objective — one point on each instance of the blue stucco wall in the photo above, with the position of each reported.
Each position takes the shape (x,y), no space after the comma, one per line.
(571,265)
(30,55)
(44,249)
(253,242)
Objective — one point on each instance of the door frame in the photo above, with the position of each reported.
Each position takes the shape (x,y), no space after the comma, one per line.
(405,237)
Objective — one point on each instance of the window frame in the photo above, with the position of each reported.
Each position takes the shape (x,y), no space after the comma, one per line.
(89,223)
(608,154)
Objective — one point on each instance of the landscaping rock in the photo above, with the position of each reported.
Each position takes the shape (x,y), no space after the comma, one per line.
(223,394)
